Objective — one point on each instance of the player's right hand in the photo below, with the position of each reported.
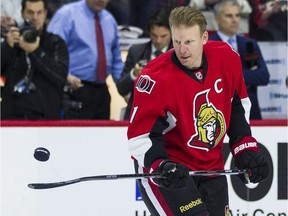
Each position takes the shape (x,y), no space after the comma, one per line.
(174,175)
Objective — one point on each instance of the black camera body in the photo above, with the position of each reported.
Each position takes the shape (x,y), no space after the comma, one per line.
(143,63)
(29,33)
(68,102)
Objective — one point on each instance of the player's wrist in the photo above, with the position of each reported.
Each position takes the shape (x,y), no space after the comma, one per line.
(247,143)
(155,166)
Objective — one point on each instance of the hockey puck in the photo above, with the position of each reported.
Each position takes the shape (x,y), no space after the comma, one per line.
(41,154)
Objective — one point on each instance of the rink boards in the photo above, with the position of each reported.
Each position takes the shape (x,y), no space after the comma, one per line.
(87,150)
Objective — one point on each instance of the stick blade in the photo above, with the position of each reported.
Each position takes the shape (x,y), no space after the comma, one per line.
(32,186)
(39,186)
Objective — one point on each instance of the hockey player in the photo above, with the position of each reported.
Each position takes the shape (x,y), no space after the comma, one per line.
(185,101)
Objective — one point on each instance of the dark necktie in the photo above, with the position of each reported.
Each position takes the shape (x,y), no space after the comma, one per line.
(157,53)
(101,66)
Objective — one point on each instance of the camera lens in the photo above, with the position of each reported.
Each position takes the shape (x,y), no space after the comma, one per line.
(28,32)
(30,35)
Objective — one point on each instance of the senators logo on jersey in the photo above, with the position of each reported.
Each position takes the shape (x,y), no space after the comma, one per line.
(209,123)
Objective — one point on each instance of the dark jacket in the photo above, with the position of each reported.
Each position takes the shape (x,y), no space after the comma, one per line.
(253,78)
(125,85)
(49,70)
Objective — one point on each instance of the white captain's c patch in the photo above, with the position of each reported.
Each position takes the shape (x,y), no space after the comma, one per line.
(145,84)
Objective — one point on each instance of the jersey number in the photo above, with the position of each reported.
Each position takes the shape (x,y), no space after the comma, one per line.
(133,113)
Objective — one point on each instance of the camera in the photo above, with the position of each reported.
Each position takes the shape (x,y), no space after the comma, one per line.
(74,106)
(69,104)
(28,32)
(142,63)
(25,85)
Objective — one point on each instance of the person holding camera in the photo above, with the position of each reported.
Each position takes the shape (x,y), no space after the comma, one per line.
(255,71)
(139,55)
(35,66)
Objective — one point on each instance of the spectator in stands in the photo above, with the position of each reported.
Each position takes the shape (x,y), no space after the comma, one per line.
(255,71)
(94,54)
(140,9)
(160,41)
(206,6)
(268,21)
(35,68)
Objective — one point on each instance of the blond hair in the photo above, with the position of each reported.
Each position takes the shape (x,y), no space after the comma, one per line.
(187,16)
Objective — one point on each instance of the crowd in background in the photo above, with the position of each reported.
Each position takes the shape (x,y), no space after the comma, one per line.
(266,19)
(260,20)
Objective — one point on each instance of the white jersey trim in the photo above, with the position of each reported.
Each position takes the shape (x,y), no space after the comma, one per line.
(172,122)
(138,145)
(246,103)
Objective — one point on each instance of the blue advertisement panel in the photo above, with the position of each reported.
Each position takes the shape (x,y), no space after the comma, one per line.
(273,97)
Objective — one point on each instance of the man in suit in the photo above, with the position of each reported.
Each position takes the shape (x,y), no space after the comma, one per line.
(90,32)
(255,72)
(139,55)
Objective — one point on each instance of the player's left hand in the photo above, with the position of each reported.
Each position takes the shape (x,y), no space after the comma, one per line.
(254,161)
(247,156)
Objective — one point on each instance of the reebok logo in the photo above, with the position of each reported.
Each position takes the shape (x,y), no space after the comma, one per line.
(190,205)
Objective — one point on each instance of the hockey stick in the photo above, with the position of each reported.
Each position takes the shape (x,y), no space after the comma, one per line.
(133,176)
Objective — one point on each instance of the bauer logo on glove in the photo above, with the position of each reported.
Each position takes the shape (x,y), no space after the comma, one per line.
(247,156)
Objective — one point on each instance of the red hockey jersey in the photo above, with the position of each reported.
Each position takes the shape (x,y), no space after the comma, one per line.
(183,115)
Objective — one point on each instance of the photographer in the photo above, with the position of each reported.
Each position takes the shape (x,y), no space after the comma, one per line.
(35,66)
(139,55)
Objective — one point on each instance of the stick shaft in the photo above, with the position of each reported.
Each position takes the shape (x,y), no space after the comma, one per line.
(133,176)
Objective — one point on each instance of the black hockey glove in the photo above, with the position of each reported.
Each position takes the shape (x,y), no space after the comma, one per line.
(247,156)
(254,161)
(175,175)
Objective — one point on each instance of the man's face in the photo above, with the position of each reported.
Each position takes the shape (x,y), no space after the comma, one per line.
(36,13)
(228,20)
(160,37)
(188,44)
(97,5)
(210,128)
